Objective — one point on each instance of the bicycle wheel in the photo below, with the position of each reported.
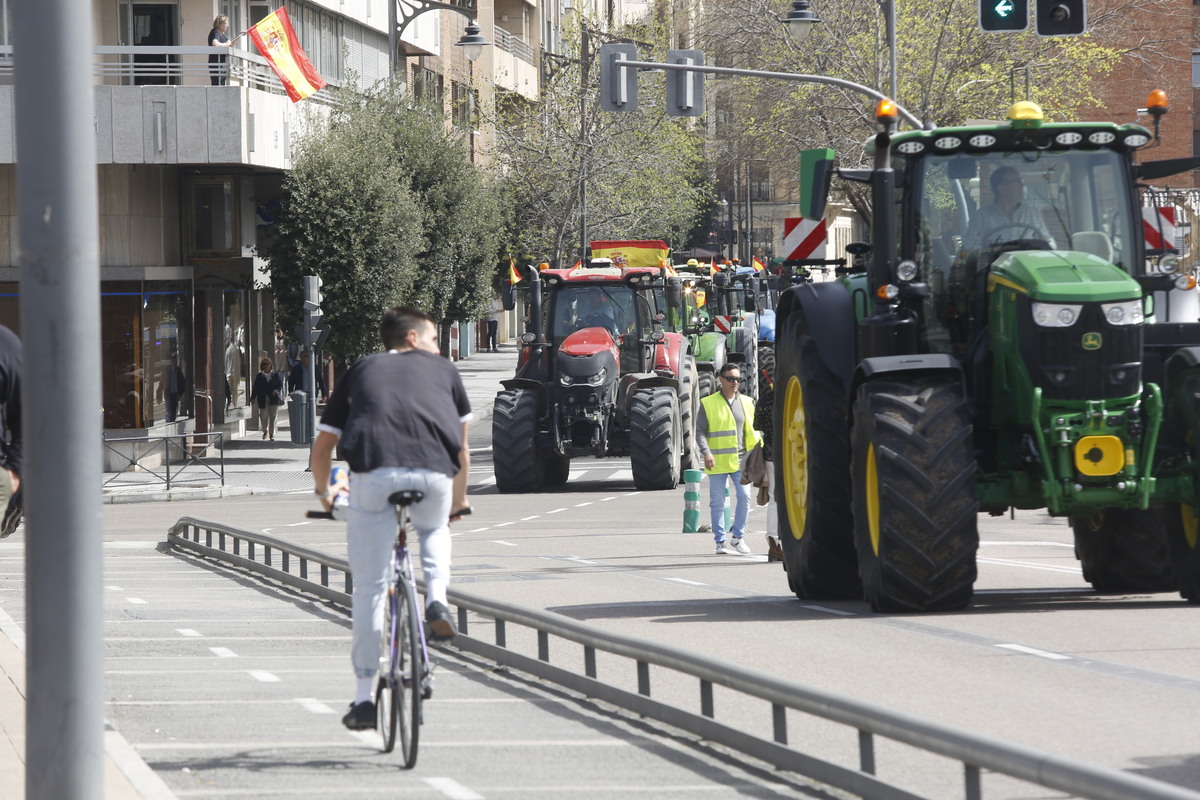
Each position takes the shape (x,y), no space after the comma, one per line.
(385,694)
(410,669)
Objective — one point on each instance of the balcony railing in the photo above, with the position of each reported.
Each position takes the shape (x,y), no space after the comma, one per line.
(511,43)
(175,66)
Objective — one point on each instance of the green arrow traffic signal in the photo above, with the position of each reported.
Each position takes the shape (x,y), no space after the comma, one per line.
(1003,15)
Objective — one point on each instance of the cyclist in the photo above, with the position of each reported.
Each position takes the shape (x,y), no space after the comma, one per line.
(400,421)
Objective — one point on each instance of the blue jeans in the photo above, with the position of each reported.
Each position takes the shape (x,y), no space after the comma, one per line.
(716,504)
(370,534)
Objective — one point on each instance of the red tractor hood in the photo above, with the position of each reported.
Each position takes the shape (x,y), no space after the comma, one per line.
(588,342)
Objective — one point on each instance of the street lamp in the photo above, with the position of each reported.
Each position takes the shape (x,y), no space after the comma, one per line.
(403,12)
(801,19)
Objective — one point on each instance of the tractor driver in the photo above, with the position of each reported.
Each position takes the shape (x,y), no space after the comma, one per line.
(1010,217)
(594,309)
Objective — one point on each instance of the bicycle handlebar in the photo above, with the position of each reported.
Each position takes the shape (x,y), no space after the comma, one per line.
(462,512)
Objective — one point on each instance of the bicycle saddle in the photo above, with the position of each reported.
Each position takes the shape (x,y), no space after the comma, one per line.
(406,498)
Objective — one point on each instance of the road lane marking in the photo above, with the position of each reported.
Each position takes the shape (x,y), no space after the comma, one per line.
(835,611)
(579,560)
(480,530)
(621,475)
(1033,651)
(1008,562)
(488,481)
(581,505)
(113,589)
(187,632)
(453,789)
(555,511)
(685,580)
(223,652)
(262,675)
(501,541)
(526,519)
(502,524)
(137,601)
(314,705)
(606,499)
(1025,544)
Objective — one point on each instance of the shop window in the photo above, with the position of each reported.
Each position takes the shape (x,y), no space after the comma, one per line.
(213,213)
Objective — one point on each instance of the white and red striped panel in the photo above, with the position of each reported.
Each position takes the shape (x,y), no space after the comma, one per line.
(802,237)
(723,323)
(1158,224)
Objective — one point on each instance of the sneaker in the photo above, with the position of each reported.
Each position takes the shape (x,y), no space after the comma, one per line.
(439,623)
(360,717)
(741,547)
(722,549)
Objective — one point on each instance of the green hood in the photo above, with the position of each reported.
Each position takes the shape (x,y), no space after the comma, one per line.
(1062,276)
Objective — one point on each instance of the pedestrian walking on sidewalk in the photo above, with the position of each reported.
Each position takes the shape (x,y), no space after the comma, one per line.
(493,324)
(10,431)
(763,412)
(725,434)
(400,420)
(267,393)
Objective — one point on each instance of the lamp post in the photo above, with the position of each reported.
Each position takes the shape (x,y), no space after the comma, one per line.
(401,13)
(800,20)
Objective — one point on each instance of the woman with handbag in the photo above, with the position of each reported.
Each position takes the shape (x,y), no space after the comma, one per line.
(268,393)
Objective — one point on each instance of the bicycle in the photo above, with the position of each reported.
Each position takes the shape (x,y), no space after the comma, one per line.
(405,670)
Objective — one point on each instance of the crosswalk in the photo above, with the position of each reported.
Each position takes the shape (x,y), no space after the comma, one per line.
(484,481)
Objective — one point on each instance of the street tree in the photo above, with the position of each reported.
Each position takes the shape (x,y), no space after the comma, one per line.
(384,205)
(643,172)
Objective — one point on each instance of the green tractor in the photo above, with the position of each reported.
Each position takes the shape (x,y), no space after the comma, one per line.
(999,348)
(695,322)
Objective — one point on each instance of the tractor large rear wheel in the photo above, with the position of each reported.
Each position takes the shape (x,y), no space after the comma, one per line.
(812,469)
(654,437)
(707,381)
(689,402)
(746,345)
(1124,550)
(915,506)
(1183,536)
(518,465)
(766,367)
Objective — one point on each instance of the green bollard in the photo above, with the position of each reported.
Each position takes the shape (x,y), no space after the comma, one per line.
(691,500)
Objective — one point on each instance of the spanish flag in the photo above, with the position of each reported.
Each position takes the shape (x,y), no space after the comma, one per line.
(513,275)
(712,266)
(278,44)
(632,253)
(758,265)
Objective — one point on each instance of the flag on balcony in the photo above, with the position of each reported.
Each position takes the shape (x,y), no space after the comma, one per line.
(277,42)
(513,276)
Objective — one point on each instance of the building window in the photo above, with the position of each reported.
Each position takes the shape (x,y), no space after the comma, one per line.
(1195,69)
(427,85)
(213,215)
(464,102)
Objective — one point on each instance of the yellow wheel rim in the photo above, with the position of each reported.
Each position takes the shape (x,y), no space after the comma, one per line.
(1190,524)
(872,489)
(795,457)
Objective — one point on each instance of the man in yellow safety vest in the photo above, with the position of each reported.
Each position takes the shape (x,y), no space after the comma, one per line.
(725,433)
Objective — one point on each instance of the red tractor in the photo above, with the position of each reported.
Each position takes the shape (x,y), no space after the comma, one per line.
(597,376)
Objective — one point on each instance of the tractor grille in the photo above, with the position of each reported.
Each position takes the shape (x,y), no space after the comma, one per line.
(1065,369)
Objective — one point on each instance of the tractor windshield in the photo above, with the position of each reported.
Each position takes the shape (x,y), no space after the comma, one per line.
(593,305)
(972,205)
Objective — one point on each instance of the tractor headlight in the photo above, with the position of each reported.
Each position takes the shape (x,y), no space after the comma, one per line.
(906,270)
(1056,315)
(1126,313)
(598,378)
(566,380)
(591,380)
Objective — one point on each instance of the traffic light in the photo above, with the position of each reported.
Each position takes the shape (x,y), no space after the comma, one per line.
(1003,15)
(312,300)
(685,89)
(1061,17)
(618,85)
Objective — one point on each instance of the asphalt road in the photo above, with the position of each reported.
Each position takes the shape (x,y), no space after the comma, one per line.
(1037,659)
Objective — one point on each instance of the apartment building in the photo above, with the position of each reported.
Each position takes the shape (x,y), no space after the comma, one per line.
(191,157)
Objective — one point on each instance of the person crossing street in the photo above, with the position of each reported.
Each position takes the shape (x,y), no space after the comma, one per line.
(725,434)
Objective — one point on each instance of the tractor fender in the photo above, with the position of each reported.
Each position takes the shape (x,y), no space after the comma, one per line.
(1181,359)
(920,363)
(669,354)
(529,383)
(1181,408)
(645,381)
(830,315)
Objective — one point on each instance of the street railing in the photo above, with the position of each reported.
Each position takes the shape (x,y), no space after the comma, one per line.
(975,752)
(142,453)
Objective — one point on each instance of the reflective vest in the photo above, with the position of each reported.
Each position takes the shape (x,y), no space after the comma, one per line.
(722,435)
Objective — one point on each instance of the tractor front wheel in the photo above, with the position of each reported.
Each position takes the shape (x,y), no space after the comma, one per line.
(915,506)
(1183,537)
(689,402)
(517,464)
(654,437)
(1124,550)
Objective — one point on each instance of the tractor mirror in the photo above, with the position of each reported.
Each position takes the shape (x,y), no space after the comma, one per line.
(506,296)
(750,305)
(675,293)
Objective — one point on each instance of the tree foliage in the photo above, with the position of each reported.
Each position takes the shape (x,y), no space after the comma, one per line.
(386,208)
(643,171)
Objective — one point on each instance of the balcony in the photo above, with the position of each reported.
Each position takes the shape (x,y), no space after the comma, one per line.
(156,105)
(515,62)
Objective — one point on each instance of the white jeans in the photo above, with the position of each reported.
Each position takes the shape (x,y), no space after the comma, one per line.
(370,533)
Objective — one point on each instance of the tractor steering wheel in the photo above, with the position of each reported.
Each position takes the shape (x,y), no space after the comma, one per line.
(1035,242)
(599,321)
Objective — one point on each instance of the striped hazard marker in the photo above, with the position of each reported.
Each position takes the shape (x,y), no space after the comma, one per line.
(802,237)
(723,323)
(1158,223)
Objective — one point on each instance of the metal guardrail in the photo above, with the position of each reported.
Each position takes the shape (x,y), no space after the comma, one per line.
(185,457)
(976,752)
(511,43)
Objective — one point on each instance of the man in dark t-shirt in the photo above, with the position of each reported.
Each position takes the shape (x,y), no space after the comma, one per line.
(400,420)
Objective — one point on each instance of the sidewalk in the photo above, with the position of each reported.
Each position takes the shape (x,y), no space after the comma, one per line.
(252,466)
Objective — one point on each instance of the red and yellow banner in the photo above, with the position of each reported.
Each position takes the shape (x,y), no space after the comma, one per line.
(513,275)
(641,253)
(277,42)
(758,265)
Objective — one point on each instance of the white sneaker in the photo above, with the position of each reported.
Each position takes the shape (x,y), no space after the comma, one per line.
(741,547)
(722,550)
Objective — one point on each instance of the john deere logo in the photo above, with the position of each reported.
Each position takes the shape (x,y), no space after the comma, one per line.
(1092,341)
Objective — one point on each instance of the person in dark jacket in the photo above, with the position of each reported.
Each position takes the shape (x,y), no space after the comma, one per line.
(296,379)
(267,393)
(10,431)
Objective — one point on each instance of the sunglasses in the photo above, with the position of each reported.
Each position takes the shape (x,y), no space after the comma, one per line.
(731,378)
